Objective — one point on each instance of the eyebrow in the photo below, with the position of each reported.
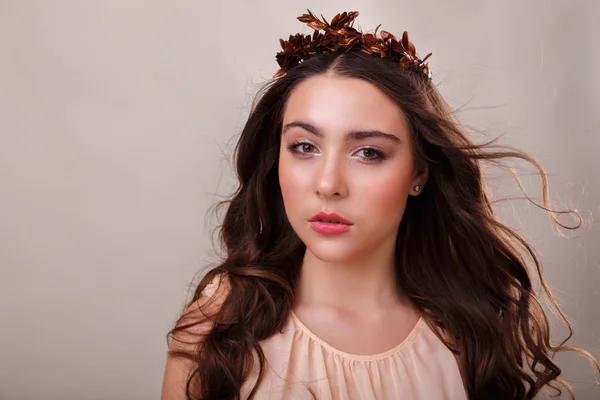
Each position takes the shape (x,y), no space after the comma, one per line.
(353,135)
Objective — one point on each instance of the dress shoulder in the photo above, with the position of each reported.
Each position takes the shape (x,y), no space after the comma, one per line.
(215,285)
(197,320)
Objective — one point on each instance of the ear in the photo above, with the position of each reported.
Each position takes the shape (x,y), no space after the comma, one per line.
(419,180)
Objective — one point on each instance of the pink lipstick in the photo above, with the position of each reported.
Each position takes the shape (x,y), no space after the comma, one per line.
(329,223)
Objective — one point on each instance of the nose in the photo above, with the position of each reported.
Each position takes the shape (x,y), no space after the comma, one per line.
(330,177)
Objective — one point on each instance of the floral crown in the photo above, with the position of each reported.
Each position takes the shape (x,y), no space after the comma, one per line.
(341,36)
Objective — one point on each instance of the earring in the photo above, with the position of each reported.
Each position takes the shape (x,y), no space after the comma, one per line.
(418,188)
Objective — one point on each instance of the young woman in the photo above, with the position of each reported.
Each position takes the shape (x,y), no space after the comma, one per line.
(363,257)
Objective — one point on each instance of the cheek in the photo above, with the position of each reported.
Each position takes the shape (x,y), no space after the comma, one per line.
(293,182)
(385,194)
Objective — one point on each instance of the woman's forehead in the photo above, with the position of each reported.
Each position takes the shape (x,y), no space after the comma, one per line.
(340,104)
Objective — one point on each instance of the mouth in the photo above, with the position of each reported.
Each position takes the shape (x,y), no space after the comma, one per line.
(330,218)
(329,224)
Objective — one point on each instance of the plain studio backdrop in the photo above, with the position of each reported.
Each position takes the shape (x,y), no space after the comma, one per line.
(117,122)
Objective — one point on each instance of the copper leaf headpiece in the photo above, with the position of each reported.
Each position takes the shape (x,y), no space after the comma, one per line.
(341,36)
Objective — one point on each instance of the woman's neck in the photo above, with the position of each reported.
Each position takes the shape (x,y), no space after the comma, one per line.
(357,285)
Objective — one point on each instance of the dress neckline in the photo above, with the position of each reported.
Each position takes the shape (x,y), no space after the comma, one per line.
(360,357)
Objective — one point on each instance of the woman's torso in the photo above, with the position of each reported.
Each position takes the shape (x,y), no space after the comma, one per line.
(298,363)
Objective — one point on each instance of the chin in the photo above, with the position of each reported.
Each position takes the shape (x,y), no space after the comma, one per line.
(333,249)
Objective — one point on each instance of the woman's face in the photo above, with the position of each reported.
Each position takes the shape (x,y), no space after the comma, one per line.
(345,148)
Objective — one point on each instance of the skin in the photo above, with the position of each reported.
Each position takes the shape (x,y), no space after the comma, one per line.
(347,293)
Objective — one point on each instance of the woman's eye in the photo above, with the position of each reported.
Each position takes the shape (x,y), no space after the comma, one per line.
(301,147)
(306,147)
(372,154)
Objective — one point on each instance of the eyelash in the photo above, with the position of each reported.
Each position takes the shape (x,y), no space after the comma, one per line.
(379,155)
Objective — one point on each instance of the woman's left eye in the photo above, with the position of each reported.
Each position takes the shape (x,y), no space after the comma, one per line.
(372,155)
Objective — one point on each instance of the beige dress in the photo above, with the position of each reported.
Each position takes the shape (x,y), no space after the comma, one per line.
(419,368)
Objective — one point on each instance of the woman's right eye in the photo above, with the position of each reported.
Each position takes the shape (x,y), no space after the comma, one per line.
(301,147)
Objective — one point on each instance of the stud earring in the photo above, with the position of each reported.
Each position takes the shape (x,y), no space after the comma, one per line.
(418,188)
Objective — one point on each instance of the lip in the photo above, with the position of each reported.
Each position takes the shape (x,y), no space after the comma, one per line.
(330,217)
(329,228)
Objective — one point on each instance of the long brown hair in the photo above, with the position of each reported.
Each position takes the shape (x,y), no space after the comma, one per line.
(467,273)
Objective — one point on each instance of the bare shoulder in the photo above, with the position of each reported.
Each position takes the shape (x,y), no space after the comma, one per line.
(195,322)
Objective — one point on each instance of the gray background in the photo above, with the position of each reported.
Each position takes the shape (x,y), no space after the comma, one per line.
(117,121)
